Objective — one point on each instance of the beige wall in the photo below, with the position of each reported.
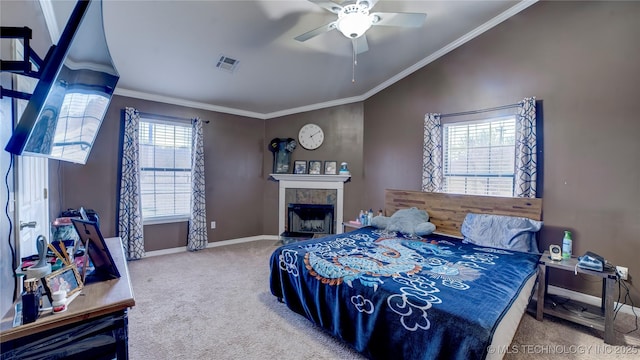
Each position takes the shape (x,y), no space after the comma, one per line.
(582,60)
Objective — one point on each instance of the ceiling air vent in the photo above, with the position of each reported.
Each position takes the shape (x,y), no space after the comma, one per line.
(227,64)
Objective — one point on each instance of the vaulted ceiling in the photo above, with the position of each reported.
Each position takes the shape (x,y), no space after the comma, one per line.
(168,50)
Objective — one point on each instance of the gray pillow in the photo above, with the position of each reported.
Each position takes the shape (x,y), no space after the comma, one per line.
(499,231)
(410,221)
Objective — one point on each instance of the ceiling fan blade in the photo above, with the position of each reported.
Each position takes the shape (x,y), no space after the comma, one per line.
(399,19)
(329,5)
(360,44)
(315,32)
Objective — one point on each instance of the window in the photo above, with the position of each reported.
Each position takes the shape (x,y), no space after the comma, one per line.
(479,157)
(78,122)
(165,170)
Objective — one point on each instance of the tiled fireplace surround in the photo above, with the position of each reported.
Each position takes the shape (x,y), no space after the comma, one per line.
(310,189)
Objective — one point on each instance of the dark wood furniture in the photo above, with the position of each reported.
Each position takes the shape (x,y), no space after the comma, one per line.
(351,226)
(98,317)
(598,318)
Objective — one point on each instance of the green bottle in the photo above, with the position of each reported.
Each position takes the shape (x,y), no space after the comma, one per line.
(567,245)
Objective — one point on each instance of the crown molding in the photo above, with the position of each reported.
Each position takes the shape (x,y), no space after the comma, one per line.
(453,45)
(187,103)
(265,116)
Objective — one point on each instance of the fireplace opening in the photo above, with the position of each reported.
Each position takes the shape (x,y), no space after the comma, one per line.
(310,218)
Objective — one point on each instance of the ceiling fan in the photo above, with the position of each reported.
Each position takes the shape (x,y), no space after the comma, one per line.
(354,19)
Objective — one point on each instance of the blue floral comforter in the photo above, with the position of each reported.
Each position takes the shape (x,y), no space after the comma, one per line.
(391,296)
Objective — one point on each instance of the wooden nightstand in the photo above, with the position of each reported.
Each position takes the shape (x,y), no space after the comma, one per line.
(350,225)
(598,318)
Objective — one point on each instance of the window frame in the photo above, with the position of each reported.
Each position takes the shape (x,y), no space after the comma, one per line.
(162,219)
(447,174)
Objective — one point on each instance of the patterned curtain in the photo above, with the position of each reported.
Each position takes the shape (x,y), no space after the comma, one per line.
(432,177)
(526,150)
(130,213)
(41,140)
(197,237)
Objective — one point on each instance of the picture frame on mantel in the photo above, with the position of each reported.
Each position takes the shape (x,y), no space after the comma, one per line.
(300,167)
(315,167)
(330,167)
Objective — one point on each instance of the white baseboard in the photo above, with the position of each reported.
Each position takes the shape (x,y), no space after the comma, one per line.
(212,244)
(589,299)
(243,240)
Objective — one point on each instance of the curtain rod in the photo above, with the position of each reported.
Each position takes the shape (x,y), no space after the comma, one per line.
(167,117)
(481,111)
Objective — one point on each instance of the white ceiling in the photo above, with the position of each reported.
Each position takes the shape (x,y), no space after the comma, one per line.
(167,50)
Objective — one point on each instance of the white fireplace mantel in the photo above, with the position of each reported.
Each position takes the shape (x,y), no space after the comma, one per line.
(306,181)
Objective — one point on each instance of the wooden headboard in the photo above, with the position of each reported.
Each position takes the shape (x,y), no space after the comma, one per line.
(447,211)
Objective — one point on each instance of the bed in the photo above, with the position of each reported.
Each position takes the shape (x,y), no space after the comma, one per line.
(393,295)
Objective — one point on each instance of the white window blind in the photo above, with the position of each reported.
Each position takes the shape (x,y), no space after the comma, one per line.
(165,170)
(479,157)
(79,119)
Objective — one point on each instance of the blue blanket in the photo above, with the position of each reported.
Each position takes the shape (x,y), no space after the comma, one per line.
(391,296)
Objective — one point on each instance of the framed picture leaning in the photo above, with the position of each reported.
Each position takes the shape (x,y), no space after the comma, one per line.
(330,167)
(315,167)
(300,167)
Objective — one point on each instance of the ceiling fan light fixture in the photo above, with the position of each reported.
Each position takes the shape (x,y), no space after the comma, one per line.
(353,21)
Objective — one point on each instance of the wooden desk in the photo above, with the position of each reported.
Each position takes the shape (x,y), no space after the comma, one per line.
(599,318)
(104,302)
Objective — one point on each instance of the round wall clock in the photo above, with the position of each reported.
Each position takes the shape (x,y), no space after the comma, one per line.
(310,136)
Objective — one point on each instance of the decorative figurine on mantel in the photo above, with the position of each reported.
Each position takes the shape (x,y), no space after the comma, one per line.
(282,149)
(344,170)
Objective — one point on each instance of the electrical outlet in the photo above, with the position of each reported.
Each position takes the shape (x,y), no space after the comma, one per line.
(623,272)
(213,224)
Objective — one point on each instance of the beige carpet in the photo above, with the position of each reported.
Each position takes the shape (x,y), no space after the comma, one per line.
(216,304)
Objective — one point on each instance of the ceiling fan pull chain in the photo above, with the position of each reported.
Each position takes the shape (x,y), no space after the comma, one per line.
(355,62)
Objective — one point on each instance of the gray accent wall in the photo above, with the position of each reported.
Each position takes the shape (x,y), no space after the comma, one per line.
(582,60)
(234,149)
(343,133)
(579,58)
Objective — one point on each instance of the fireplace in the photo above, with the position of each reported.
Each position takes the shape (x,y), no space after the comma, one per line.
(316,182)
(310,218)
